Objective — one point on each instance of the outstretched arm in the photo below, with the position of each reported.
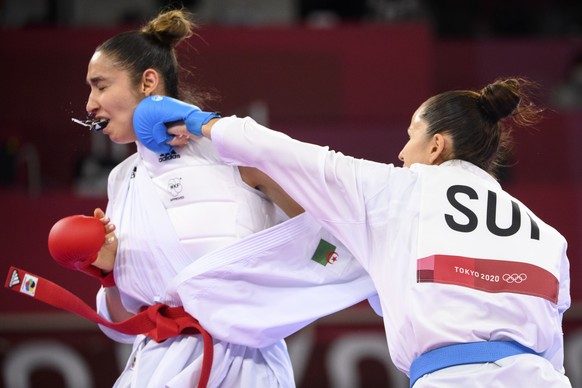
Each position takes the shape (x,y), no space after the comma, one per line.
(325,183)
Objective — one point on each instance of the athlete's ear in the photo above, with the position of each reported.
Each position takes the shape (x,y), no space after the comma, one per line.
(150,80)
(440,148)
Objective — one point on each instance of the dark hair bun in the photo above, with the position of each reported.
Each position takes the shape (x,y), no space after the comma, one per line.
(500,99)
(170,28)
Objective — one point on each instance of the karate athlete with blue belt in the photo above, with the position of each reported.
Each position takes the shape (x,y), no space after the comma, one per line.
(472,284)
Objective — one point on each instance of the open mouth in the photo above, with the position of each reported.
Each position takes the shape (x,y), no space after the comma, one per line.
(92,123)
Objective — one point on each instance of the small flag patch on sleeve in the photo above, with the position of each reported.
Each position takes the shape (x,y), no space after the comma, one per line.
(324,252)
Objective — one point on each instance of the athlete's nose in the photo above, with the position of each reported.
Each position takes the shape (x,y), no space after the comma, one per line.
(92,105)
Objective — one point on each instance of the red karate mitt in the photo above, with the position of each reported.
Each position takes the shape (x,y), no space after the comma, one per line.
(74,242)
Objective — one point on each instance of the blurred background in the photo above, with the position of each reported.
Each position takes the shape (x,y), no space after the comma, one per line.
(348,74)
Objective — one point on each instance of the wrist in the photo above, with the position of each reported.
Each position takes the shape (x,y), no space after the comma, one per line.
(207,128)
(104,263)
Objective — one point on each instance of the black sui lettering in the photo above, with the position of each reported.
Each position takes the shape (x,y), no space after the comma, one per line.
(491,214)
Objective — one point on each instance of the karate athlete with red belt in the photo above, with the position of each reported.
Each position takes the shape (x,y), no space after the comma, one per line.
(226,296)
(473,285)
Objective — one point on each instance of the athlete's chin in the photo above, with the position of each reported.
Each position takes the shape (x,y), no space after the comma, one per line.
(112,137)
(117,138)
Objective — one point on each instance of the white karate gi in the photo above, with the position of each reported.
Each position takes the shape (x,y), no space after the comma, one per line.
(454,258)
(188,255)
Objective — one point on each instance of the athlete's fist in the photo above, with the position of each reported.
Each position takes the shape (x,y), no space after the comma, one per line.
(106,257)
(153,114)
(75,241)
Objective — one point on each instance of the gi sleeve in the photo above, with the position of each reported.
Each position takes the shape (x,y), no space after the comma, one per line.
(332,187)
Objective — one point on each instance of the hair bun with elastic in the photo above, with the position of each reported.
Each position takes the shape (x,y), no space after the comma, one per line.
(499,99)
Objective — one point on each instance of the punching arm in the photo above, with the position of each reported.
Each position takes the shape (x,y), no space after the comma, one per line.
(155,113)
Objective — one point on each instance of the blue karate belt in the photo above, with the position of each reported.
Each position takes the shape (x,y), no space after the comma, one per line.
(466,353)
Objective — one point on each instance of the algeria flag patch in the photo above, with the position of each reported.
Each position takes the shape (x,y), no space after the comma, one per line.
(325,253)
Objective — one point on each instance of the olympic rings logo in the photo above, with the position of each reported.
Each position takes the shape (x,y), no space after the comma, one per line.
(514,278)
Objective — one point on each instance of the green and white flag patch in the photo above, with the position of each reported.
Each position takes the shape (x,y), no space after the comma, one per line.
(325,253)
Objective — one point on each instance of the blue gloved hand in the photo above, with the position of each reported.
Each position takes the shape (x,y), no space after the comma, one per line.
(153,113)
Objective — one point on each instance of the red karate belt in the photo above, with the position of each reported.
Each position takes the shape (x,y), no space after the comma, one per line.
(158,322)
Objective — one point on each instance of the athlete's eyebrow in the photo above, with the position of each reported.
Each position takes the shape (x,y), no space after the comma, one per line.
(95,80)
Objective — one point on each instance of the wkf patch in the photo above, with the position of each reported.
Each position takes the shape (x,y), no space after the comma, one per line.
(29,284)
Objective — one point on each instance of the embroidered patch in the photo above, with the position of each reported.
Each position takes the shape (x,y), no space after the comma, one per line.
(489,275)
(325,253)
(175,186)
(29,284)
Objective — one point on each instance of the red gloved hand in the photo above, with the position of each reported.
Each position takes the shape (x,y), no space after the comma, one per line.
(74,242)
